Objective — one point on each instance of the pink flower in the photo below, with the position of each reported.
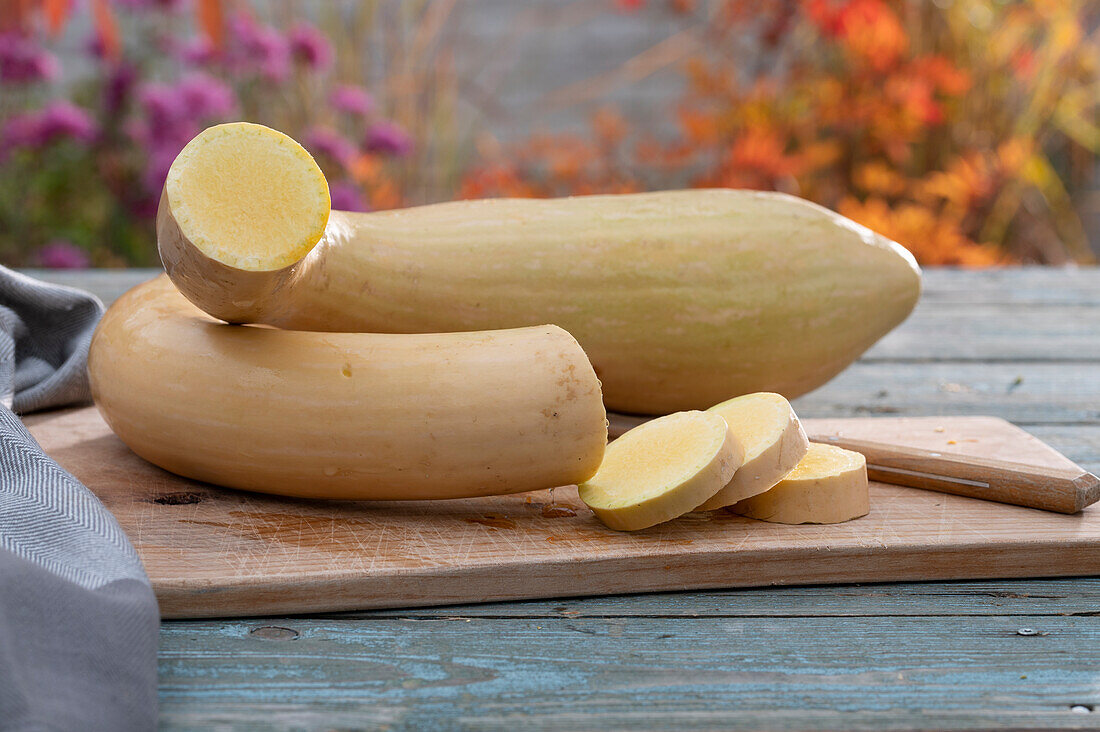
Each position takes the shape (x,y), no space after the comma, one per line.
(347,197)
(206,97)
(21,130)
(58,120)
(64,119)
(93,46)
(255,49)
(196,51)
(272,53)
(119,86)
(388,138)
(351,99)
(310,47)
(261,48)
(163,106)
(196,98)
(173,114)
(162,153)
(329,142)
(61,254)
(23,61)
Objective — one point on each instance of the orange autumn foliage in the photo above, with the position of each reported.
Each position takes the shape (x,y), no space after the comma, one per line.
(211,17)
(56,13)
(106,29)
(934,237)
(930,124)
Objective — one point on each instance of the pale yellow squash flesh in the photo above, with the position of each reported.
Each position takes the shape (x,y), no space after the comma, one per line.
(662,469)
(345,415)
(828,486)
(681,299)
(242,207)
(774,443)
(248,196)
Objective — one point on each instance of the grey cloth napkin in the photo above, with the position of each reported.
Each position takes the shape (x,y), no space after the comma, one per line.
(78,619)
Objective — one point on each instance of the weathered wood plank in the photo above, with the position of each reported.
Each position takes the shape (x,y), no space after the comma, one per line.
(1041,286)
(993,332)
(648,673)
(1078,442)
(1031,393)
(987,598)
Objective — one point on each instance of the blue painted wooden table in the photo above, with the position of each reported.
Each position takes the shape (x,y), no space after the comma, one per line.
(1023,345)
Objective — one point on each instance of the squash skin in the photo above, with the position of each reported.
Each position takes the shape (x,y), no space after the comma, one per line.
(345,415)
(682,299)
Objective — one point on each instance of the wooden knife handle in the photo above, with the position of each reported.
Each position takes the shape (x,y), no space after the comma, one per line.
(1050,489)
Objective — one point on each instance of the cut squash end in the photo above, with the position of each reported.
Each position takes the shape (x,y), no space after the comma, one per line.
(758,419)
(828,486)
(823,461)
(662,469)
(248,196)
(774,442)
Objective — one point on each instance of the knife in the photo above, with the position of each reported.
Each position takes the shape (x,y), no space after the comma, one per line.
(1065,490)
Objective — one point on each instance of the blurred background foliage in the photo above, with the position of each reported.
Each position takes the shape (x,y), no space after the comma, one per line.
(968,130)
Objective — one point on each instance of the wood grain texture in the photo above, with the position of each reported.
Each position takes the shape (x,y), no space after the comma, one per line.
(1027,392)
(1055,597)
(993,332)
(1082,441)
(1021,392)
(634,672)
(216,552)
(1042,286)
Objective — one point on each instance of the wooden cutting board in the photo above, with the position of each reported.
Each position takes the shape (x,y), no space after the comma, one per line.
(216,552)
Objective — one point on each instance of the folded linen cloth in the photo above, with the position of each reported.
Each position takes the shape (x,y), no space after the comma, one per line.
(78,619)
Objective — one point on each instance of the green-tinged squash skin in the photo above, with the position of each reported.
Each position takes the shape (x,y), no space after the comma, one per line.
(345,415)
(682,299)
